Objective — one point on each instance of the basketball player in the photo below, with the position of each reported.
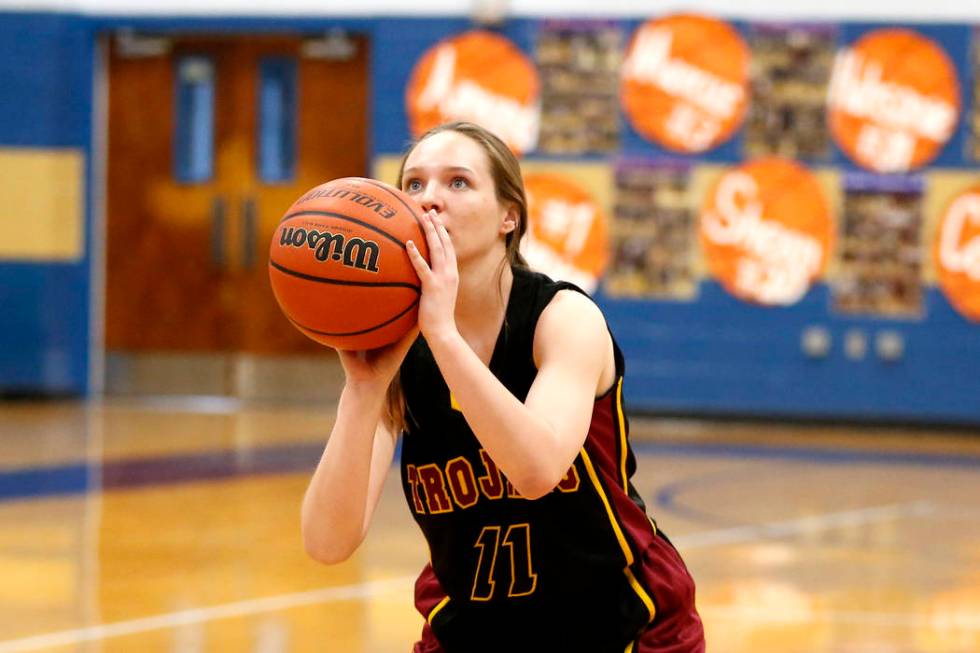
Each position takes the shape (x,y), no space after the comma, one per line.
(515,458)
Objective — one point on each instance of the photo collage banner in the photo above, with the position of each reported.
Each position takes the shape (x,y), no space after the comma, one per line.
(767,157)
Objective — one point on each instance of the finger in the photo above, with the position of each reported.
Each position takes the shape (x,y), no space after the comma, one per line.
(418,261)
(440,227)
(447,243)
(436,253)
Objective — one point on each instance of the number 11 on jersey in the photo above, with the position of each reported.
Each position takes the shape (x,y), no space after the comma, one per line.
(517,539)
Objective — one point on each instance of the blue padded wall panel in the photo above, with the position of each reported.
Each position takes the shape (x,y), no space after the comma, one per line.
(45,102)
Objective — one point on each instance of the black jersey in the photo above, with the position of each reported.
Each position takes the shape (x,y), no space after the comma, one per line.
(578,569)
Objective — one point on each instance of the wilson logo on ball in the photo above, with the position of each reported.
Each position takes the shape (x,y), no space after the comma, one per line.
(325,263)
(354,252)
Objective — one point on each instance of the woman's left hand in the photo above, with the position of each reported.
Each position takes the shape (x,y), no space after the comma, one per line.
(440,279)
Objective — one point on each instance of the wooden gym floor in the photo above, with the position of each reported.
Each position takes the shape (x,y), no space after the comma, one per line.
(163,526)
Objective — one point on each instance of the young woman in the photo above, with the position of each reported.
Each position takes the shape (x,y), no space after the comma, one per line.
(515,457)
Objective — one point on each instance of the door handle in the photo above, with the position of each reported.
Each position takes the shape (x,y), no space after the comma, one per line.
(249,229)
(218,212)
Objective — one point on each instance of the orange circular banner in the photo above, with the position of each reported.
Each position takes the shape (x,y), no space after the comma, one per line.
(766,231)
(894,100)
(685,81)
(479,77)
(957,253)
(567,236)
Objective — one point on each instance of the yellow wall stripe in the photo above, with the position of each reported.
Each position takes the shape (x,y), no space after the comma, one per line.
(42,216)
(435,610)
(622,434)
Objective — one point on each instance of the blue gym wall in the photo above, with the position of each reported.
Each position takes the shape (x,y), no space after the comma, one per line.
(45,103)
(713,355)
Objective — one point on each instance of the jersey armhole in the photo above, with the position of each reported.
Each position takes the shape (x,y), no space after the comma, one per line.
(619,362)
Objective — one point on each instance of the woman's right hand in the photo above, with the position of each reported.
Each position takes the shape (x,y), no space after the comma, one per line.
(376,366)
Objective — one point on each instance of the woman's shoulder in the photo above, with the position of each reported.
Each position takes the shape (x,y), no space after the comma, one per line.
(552,292)
(572,307)
(573,327)
(541,289)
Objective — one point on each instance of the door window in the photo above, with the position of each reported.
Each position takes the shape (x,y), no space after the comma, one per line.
(194,137)
(277,119)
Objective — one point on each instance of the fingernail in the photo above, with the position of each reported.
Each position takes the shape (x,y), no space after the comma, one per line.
(410,244)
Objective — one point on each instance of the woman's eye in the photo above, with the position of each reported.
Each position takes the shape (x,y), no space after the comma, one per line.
(459,182)
(413,186)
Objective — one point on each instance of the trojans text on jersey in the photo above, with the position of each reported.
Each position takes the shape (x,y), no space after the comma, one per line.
(457,485)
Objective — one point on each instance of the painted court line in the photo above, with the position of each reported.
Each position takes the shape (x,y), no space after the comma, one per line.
(809,524)
(202,615)
(960,621)
(725,536)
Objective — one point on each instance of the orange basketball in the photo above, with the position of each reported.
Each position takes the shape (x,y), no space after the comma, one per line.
(339,266)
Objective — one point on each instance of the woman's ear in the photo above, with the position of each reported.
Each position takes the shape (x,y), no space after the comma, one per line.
(509,223)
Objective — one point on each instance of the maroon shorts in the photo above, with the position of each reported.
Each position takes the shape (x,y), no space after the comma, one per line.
(677,627)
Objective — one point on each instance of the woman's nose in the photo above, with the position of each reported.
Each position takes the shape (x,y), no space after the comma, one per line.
(430,198)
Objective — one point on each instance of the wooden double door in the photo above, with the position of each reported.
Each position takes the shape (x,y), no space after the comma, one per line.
(210,139)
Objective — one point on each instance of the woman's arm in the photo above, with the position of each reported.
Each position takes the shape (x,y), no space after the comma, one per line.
(346,485)
(535,442)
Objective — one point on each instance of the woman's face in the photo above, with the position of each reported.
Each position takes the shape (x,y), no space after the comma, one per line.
(450,173)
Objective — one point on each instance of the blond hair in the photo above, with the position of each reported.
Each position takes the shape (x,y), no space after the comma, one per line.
(509,188)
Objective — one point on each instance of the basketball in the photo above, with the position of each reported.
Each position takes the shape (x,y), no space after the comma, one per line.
(339,266)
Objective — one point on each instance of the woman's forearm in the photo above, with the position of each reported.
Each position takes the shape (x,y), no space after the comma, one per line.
(339,499)
(523,444)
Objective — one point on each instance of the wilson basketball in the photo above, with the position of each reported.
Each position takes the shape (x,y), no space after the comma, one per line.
(339,266)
